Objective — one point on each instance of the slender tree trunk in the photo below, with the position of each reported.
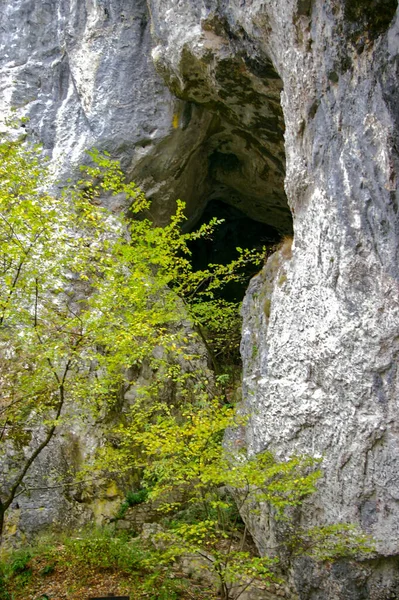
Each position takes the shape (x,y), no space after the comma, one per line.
(224,590)
(4,505)
(212,356)
(2,513)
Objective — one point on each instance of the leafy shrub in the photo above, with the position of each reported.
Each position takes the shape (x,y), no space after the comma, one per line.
(20,561)
(101,549)
(16,568)
(4,594)
(224,508)
(133,498)
(48,569)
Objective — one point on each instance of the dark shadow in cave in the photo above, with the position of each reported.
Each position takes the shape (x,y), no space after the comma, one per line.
(237,230)
(233,154)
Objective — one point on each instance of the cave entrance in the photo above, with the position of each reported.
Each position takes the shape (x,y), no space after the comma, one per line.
(227,162)
(236,231)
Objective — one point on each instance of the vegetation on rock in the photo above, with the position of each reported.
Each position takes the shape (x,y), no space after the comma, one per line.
(86,299)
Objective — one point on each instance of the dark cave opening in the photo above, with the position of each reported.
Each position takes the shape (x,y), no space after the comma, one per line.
(236,231)
(230,158)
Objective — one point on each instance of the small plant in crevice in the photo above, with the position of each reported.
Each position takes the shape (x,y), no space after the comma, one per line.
(138,497)
(285,247)
(282,279)
(132,498)
(267,307)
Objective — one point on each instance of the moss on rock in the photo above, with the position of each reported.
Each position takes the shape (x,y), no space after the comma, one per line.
(371,16)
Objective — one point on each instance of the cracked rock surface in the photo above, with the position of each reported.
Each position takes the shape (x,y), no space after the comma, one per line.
(256,103)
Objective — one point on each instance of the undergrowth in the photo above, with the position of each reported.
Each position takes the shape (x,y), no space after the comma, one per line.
(91,563)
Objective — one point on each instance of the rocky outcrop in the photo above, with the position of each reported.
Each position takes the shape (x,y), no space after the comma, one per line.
(187,95)
(324,322)
(84,75)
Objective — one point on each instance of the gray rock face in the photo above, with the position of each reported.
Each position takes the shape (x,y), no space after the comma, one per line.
(84,75)
(187,95)
(323,379)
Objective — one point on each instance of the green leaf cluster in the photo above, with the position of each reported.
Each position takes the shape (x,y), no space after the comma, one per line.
(75,561)
(86,297)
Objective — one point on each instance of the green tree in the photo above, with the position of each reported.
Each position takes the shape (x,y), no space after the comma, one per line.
(192,479)
(84,298)
(50,247)
(189,472)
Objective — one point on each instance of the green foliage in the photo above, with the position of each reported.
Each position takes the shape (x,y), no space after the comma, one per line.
(89,555)
(48,569)
(220,324)
(184,449)
(330,542)
(84,297)
(18,568)
(102,549)
(48,247)
(4,593)
(158,587)
(188,473)
(267,307)
(20,561)
(192,513)
(132,499)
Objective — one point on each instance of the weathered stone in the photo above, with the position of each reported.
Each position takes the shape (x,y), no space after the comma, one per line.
(84,75)
(321,329)
(324,377)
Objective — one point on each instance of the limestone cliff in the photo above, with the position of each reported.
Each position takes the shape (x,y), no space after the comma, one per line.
(239,100)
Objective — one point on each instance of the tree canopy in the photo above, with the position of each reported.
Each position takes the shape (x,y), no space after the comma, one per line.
(84,297)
